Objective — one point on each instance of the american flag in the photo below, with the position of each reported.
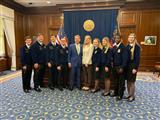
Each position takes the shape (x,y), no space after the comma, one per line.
(112,40)
(61,34)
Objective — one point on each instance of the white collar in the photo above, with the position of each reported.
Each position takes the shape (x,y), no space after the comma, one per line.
(41,43)
(28,46)
(131,44)
(63,46)
(77,44)
(118,45)
(53,43)
(95,47)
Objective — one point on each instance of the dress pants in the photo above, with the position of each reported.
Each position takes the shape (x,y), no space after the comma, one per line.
(39,76)
(75,76)
(120,80)
(26,77)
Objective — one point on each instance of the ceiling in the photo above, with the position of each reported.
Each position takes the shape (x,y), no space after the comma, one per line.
(38,3)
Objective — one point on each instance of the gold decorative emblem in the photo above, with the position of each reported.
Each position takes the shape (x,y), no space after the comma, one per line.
(88,25)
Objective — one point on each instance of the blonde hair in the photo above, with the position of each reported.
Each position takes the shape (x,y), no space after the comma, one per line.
(135,38)
(135,43)
(108,45)
(99,43)
(86,37)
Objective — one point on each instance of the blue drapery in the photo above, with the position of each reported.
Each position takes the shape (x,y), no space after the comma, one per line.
(105,22)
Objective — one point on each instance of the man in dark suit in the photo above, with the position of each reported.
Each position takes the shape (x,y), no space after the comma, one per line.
(52,49)
(62,66)
(75,62)
(119,64)
(39,61)
(26,61)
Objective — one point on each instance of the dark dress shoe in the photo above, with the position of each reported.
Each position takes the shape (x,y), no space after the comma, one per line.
(131,99)
(37,89)
(67,87)
(60,88)
(30,88)
(95,90)
(127,97)
(119,98)
(105,94)
(79,88)
(26,91)
(71,88)
(113,95)
(52,88)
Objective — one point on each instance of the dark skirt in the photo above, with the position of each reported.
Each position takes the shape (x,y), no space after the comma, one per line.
(130,76)
(96,74)
(104,74)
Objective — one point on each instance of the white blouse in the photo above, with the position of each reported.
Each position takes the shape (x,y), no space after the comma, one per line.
(87,54)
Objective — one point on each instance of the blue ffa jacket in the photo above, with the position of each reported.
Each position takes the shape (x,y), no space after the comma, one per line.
(73,57)
(120,56)
(96,57)
(62,56)
(25,56)
(38,53)
(136,58)
(106,57)
(52,51)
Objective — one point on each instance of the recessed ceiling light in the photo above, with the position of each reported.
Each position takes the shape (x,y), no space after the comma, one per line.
(48,1)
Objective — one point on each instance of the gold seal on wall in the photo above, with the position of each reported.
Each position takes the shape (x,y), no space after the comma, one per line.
(88,25)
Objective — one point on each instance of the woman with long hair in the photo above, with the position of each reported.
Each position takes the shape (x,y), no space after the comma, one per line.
(87,62)
(132,66)
(96,62)
(106,64)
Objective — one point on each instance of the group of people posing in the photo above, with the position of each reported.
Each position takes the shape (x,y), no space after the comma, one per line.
(77,65)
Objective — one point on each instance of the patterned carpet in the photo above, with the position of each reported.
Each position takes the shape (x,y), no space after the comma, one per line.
(79,105)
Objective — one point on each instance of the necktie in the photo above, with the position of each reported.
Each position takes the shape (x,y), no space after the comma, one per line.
(78,48)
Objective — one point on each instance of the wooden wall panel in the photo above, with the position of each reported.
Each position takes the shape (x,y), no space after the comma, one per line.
(127,18)
(42,24)
(19,35)
(54,21)
(3,64)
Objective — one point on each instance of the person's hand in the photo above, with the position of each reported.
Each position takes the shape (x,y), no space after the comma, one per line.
(69,65)
(106,69)
(134,71)
(24,67)
(86,65)
(97,69)
(49,65)
(36,65)
(59,68)
(120,70)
